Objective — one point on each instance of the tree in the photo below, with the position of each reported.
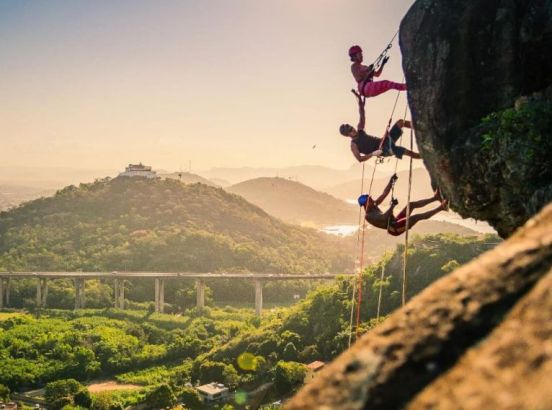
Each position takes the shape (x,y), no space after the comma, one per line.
(290,352)
(4,393)
(211,372)
(288,375)
(161,397)
(309,354)
(190,398)
(82,398)
(104,401)
(61,393)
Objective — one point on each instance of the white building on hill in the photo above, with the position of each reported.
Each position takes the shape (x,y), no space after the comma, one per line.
(138,170)
(213,392)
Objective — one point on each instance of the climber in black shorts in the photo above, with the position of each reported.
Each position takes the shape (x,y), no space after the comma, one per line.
(366,146)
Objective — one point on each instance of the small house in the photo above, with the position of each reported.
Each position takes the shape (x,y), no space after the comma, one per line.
(312,369)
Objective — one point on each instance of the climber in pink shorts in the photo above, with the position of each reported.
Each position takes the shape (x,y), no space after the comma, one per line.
(364,76)
(396,225)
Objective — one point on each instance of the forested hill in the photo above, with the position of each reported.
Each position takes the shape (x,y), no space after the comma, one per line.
(295,202)
(158,225)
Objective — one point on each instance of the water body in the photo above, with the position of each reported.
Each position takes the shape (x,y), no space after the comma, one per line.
(340,230)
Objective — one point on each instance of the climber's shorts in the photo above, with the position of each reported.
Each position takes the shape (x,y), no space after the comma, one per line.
(389,147)
(397,225)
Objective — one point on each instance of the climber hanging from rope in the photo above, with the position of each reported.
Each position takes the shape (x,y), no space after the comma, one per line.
(364,75)
(396,225)
(366,146)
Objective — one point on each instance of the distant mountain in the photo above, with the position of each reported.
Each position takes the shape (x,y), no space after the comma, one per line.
(159,225)
(421,186)
(187,178)
(294,202)
(311,175)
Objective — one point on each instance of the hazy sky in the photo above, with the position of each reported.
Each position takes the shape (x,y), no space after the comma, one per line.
(99,84)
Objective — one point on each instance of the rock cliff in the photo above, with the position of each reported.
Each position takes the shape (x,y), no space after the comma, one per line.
(479,76)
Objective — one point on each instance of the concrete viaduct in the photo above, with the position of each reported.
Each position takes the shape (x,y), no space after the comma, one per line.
(119,278)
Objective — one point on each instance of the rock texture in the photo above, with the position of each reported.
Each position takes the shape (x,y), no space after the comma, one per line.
(513,363)
(464,60)
(487,316)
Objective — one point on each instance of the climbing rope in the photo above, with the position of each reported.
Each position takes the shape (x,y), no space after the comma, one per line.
(358,282)
(388,127)
(363,227)
(383,54)
(382,276)
(405,279)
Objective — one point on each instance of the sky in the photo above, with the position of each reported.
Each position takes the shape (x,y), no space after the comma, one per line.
(215,83)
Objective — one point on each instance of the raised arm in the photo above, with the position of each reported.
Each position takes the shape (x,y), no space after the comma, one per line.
(361,112)
(379,71)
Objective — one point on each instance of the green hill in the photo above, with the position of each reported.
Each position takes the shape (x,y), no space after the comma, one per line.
(294,202)
(159,225)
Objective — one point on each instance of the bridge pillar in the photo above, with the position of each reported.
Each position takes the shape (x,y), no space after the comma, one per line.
(79,293)
(159,295)
(41,292)
(1,293)
(7,292)
(119,290)
(258,297)
(200,297)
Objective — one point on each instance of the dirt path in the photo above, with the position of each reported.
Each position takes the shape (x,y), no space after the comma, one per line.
(111,386)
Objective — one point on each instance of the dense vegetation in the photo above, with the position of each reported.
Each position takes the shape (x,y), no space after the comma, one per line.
(163,353)
(522,135)
(158,225)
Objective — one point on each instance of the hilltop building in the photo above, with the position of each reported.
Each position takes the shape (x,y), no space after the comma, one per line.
(213,392)
(138,170)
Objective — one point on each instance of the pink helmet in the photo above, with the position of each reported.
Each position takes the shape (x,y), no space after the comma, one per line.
(354,49)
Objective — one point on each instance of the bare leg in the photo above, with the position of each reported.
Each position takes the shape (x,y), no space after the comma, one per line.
(403,123)
(412,154)
(425,215)
(418,204)
(375,88)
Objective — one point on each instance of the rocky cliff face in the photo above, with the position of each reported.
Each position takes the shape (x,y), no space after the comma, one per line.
(463,61)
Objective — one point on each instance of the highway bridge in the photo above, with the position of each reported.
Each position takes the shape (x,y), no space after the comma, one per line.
(160,279)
